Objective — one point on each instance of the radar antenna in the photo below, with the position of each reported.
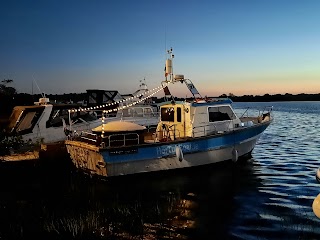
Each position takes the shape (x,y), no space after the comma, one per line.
(42,93)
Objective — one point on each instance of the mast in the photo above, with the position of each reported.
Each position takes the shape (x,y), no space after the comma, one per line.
(168,73)
(170,78)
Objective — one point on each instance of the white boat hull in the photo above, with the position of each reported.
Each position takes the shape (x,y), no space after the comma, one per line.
(189,160)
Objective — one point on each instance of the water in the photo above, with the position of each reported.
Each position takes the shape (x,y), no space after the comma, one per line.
(267,197)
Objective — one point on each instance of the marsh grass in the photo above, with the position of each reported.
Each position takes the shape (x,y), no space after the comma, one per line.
(118,221)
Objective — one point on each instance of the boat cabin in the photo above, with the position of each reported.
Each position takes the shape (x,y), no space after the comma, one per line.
(195,119)
(27,119)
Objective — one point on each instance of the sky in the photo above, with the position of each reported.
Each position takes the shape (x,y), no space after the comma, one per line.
(243,47)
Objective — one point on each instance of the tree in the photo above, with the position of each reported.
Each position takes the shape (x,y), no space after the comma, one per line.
(5,90)
(7,95)
(6,81)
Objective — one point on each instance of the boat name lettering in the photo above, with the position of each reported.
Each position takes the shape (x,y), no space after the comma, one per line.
(171,149)
(121,152)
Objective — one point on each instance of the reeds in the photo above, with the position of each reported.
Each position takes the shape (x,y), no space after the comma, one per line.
(120,221)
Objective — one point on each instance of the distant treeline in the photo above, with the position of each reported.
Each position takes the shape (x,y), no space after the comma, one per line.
(269,97)
(274,98)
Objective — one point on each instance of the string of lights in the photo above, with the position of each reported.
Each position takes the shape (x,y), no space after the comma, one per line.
(124,107)
(131,104)
(157,89)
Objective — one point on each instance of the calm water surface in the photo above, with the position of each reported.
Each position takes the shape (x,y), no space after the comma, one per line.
(267,197)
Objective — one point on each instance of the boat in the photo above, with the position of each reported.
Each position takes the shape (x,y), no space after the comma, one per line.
(191,133)
(128,109)
(46,122)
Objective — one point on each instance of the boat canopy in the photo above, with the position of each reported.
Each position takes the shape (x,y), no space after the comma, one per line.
(119,126)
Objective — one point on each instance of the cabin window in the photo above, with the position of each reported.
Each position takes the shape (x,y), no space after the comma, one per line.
(28,121)
(56,116)
(220,114)
(167,114)
(178,114)
(55,119)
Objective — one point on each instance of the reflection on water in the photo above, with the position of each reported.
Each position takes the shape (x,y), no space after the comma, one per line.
(267,197)
(177,204)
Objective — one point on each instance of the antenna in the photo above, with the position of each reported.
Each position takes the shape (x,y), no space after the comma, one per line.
(165,39)
(42,93)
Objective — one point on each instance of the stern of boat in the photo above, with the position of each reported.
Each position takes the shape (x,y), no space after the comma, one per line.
(86,157)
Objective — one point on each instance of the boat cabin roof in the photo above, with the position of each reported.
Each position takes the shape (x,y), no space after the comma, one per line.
(210,102)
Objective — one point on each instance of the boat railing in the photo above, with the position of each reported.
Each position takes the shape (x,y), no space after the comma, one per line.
(89,137)
(151,128)
(123,139)
(167,133)
(215,128)
(175,133)
(204,130)
(266,109)
(137,114)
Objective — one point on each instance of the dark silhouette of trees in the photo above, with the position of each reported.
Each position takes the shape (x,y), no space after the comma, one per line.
(7,94)
(7,90)
(274,98)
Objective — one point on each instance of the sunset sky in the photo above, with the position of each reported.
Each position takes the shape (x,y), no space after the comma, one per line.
(240,47)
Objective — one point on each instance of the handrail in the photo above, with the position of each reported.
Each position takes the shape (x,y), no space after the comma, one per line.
(230,126)
(168,132)
(89,139)
(204,129)
(139,115)
(267,109)
(124,135)
(86,137)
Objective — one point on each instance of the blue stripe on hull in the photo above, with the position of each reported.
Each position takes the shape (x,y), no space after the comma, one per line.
(162,150)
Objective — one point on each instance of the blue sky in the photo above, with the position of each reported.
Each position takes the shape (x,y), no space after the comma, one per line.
(240,47)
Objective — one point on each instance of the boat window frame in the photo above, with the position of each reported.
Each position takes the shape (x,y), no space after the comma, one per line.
(230,118)
(179,114)
(171,113)
(37,114)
